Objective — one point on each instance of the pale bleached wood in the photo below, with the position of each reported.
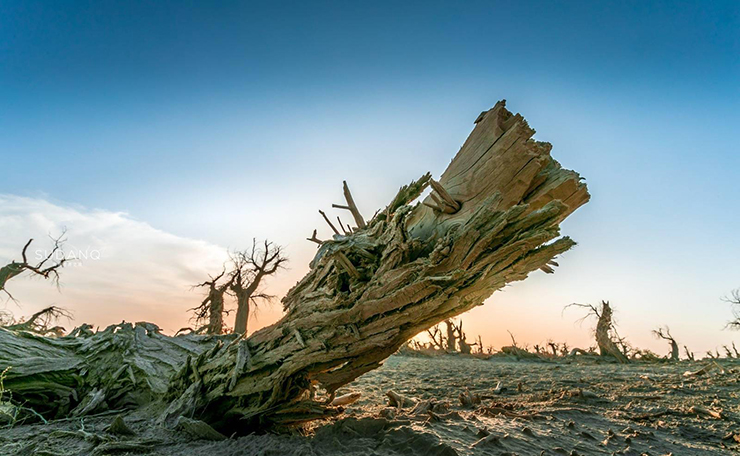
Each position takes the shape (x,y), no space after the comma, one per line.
(351,206)
(445,199)
(323,214)
(347,230)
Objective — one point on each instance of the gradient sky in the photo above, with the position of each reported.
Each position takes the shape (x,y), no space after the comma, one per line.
(163,133)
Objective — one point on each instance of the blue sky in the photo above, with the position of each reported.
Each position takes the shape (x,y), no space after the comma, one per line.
(220,121)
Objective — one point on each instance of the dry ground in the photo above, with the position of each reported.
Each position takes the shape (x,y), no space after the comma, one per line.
(550,408)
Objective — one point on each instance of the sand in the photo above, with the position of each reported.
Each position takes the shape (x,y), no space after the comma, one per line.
(550,408)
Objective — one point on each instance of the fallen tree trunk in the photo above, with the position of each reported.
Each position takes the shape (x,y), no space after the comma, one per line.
(490,220)
(122,366)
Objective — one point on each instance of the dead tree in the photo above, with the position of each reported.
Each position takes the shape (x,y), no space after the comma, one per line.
(605,332)
(460,337)
(436,337)
(513,339)
(665,334)
(47,267)
(494,218)
(6,318)
(604,329)
(209,315)
(734,300)
(689,354)
(513,349)
(41,322)
(451,346)
(250,268)
(518,352)
(464,346)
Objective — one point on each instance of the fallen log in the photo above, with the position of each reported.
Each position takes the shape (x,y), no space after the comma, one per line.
(412,268)
(86,372)
(491,219)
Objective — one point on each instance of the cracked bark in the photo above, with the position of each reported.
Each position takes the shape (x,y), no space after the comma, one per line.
(411,267)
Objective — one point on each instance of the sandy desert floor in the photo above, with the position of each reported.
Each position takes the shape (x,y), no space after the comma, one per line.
(542,408)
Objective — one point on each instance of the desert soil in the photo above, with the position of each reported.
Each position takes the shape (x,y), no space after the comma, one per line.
(542,408)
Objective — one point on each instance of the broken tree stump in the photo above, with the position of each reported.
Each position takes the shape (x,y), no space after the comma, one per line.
(604,326)
(492,219)
(665,334)
(411,267)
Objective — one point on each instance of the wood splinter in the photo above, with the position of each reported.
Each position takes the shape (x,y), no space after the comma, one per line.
(351,206)
(341,225)
(323,214)
(355,331)
(313,238)
(440,205)
(549,267)
(444,201)
(348,266)
(434,207)
(299,338)
(346,399)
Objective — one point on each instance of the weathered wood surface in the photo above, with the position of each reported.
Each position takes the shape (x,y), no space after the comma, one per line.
(604,338)
(491,219)
(411,268)
(124,365)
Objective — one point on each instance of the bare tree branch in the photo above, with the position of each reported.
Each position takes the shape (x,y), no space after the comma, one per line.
(208,316)
(351,206)
(665,334)
(323,214)
(41,268)
(313,238)
(734,300)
